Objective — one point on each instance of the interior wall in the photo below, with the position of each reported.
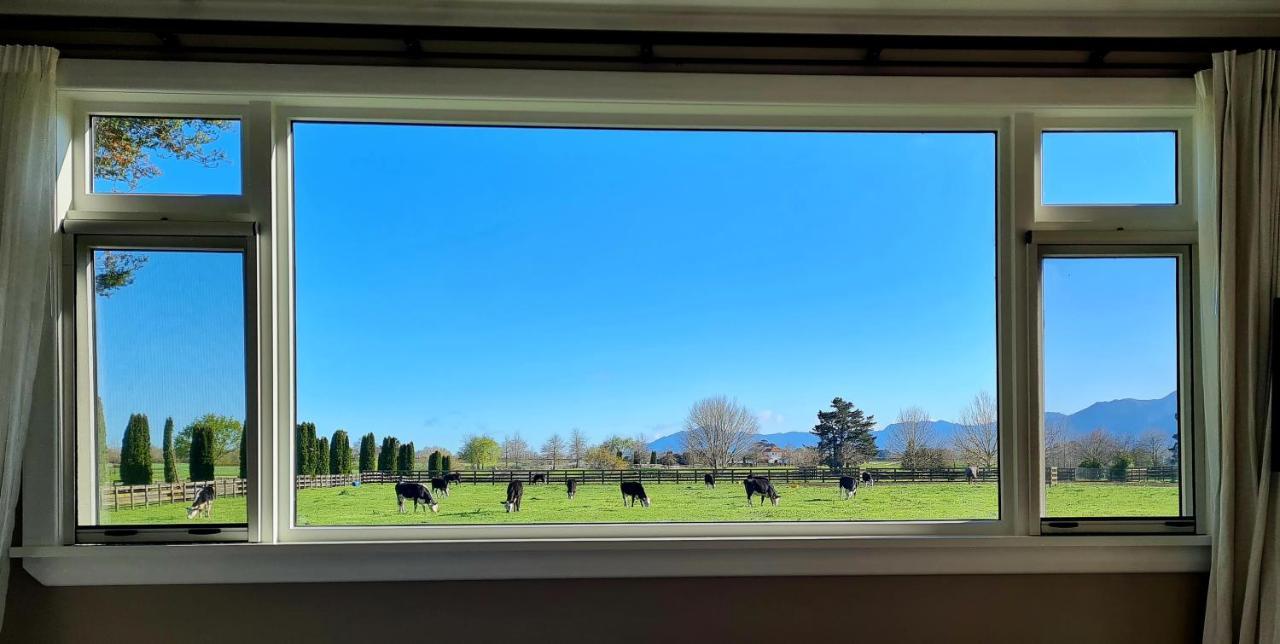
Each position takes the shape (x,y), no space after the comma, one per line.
(1098,609)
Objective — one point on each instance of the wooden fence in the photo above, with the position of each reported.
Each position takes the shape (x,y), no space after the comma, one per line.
(1103,474)
(123,497)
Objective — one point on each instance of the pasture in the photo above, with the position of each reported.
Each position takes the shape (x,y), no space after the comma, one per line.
(375,504)
(157,471)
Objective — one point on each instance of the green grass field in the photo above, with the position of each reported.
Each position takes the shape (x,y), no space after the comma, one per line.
(672,502)
(157,472)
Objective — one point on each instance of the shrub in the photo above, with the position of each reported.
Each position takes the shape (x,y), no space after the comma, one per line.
(135,452)
(202,454)
(170,462)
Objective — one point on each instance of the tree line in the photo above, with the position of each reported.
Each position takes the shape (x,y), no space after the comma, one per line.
(203,444)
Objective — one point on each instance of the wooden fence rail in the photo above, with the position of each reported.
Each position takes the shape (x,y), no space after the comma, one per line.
(1103,474)
(121,497)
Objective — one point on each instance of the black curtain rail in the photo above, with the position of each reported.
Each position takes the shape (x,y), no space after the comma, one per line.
(327,43)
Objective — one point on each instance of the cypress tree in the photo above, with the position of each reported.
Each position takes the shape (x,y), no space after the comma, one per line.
(445,465)
(404,460)
(201,465)
(433,463)
(100,424)
(322,456)
(368,453)
(340,453)
(388,454)
(653,457)
(170,463)
(135,452)
(306,448)
(244,454)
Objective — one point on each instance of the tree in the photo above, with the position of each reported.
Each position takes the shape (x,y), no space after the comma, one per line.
(1096,449)
(910,432)
(388,454)
(404,458)
(170,463)
(368,453)
(124,145)
(304,445)
(602,458)
(322,457)
(844,435)
(226,435)
(100,424)
(480,452)
(977,442)
(433,463)
(1056,446)
(244,454)
(201,462)
(514,450)
(577,446)
(553,449)
(446,464)
(653,457)
(1150,449)
(340,453)
(718,431)
(135,452)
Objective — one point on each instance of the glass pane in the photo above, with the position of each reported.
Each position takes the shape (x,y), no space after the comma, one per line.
(1109,168)
(173,156)
(615,306)
(1111,386)
(170,373)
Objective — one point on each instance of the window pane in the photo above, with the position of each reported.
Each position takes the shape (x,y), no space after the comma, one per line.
(1111,386)
(170,362)
(175,156)
(1109,168)
(491,293)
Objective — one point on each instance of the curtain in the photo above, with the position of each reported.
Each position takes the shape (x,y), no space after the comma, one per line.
(1240,101)
(26,240)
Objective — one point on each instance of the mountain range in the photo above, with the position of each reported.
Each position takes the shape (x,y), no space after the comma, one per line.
(1126,417)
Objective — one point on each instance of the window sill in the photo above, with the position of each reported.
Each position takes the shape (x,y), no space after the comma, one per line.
(548,559)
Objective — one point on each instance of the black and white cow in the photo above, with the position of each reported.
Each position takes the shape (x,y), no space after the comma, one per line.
(537,478)
(203,503)
(418,493)
(440,485)
(453,477)
(515,492)
(571,485)
(848,487)
(709,480)
(867,479)
(634,490)
(971,474)
(762,486)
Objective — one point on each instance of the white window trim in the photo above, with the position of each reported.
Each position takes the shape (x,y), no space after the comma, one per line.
(267,98)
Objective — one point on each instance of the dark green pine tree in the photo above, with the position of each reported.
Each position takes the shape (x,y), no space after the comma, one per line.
(135,452)
(446,464)
(340,453)
(305,448)
(322,456)
(433,463)
(244,454)
(170,461)
(100,424)
(201,463)
(404,460)
(368,453)
(388,453)
(844,435)
(653,458)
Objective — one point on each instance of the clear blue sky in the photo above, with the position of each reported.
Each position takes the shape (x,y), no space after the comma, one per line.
(458,280)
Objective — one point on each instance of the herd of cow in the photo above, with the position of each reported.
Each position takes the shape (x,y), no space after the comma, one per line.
(632,491)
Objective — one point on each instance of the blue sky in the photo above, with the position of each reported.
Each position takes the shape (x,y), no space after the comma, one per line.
(459,280)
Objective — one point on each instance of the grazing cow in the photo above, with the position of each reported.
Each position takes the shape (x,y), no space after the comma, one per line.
(515,492)
(453,477)
(537,478)
(418,493)
(848,487)
(971,474)
(867,479)
(203,503)
(441,486)
(708,480)
(762,486)
(572,486)
(634,490)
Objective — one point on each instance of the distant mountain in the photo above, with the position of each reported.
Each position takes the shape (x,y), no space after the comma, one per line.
(1126,417)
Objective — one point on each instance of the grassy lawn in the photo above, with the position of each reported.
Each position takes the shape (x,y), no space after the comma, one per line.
(481,504)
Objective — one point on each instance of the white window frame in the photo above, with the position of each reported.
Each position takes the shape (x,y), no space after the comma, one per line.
(268,98)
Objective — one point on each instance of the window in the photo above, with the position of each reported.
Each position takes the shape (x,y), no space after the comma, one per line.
(1113,338)
(1109,168)
(652,306)
(165,155)
(166,442)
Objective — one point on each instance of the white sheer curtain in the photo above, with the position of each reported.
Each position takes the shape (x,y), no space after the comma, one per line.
(1240,100)
(26,238)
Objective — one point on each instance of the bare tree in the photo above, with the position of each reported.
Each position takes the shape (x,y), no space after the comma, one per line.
(553,449)
(1057,447)
(913,431)
(1097,448)
(719,431)
(639,449)
(1151,448)
(514,450)
(976,442)
(577,446)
